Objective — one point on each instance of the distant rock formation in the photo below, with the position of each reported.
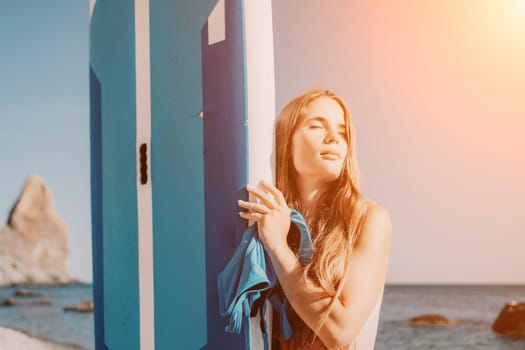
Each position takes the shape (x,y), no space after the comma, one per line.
(83,306)
(511,320)
(431,320)
(26,293)
(41,302)
(9,302)
(34,244)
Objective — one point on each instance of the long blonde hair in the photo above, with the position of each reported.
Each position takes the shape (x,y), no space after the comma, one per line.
(337,219)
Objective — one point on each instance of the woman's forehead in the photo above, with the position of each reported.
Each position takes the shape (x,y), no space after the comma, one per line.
(323,108)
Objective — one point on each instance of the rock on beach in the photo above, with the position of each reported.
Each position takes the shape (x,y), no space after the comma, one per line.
(511,320)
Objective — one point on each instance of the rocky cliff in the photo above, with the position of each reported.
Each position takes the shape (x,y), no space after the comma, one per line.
(34,243)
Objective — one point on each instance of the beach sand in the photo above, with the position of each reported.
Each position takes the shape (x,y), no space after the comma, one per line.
(11,339)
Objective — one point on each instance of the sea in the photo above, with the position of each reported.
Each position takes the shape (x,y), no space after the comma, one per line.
(476,306)
(51,322)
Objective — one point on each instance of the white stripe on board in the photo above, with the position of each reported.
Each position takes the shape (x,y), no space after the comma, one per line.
(145,221)
(217,24)
(91,7)
(260,85)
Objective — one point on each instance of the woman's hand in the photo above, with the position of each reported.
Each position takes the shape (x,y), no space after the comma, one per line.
(271,213)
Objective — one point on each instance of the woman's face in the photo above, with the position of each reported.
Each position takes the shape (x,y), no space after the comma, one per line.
(319,143)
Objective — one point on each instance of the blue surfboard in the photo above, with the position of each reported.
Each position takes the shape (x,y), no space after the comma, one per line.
(182,112)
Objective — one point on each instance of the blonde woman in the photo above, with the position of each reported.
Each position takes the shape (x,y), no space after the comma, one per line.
(332,297)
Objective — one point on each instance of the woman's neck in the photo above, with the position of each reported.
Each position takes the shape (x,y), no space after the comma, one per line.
(309,193)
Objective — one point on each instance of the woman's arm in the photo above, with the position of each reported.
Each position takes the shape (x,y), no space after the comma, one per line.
(366,277)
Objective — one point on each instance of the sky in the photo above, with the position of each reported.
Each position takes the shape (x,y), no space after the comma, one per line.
(435,88)
(44,111)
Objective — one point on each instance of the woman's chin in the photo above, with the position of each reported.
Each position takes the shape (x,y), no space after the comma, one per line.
(331,174)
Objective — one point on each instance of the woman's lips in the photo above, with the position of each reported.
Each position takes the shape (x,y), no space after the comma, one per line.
(330,156)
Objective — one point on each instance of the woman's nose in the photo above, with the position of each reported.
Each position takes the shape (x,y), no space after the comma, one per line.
(330,138)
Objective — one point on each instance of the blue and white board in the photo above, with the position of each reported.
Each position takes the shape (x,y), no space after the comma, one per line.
(182,112)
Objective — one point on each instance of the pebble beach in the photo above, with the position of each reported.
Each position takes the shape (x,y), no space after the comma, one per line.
(13,339)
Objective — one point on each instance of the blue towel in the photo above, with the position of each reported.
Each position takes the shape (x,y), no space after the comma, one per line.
(248,280)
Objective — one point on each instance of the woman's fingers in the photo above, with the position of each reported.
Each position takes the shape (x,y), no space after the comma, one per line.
(254,206)
(268,200)
(250,216)
(277,195)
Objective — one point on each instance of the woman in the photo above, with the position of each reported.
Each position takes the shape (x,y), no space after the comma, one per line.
(317,174)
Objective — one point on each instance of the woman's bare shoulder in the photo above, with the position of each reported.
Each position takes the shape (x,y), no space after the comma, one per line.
(377,223)
(376,212)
